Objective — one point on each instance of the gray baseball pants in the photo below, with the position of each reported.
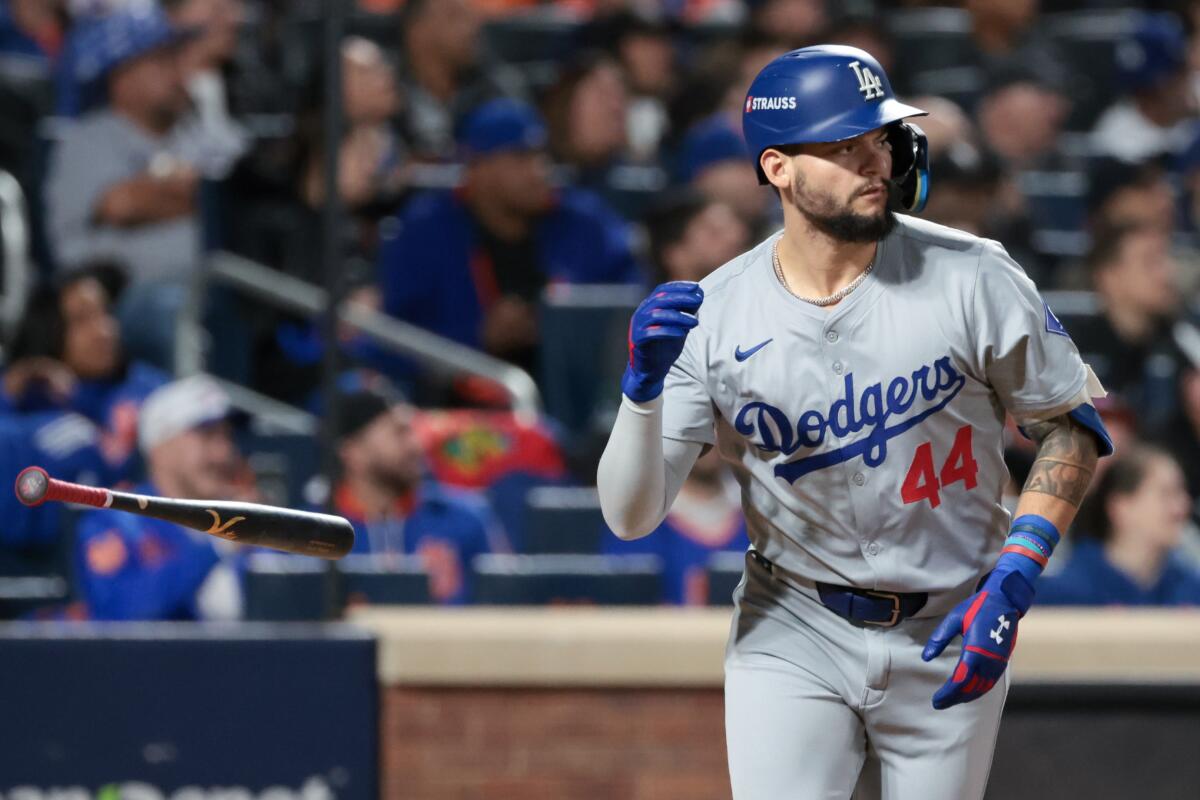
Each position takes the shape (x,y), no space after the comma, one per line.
(818,708)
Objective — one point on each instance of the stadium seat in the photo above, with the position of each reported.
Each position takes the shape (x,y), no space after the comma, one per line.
(283,463)
(584,335)
(25,595)
(383,580)
(283,588)
(1088,41)
(562,519)
(567,579)
(531,38)
(724,574)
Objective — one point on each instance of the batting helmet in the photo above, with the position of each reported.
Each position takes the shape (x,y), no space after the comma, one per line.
(828,93)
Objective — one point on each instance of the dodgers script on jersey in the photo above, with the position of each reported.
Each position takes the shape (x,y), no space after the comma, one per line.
(868,437)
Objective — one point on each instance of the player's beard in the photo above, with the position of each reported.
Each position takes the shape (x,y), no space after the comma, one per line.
(838,222)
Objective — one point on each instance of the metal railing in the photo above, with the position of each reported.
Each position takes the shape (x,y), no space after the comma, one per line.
(18,269)
(292,294)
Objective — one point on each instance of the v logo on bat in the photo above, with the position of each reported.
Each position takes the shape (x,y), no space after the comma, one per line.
(223,530)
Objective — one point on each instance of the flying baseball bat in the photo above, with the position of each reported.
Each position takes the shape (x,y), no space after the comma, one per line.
(302,532)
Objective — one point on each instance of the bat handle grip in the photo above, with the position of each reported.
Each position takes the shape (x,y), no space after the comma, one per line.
(74,493)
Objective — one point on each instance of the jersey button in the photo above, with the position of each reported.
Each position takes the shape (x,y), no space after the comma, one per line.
(831,336)
(873,549)
(837,367)
(859,479)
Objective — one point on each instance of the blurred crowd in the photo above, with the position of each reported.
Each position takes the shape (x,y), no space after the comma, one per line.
(494,154)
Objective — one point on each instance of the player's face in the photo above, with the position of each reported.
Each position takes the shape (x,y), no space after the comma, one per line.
(841,188)
(91,344)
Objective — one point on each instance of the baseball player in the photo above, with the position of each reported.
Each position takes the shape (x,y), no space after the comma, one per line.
(856,368)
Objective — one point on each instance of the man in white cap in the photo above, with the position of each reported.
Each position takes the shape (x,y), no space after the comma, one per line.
(135,567)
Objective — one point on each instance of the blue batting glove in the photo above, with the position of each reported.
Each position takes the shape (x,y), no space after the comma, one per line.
(657,332)
(988,619)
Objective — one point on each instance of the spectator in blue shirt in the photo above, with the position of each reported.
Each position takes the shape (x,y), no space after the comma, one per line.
(705,519)
(139,568)
(470,264)
(1131,525)
(383,490)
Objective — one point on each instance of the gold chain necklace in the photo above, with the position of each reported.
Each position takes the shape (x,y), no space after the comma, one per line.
(819,301)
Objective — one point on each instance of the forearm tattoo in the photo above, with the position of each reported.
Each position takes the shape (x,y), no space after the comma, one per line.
(1066,458)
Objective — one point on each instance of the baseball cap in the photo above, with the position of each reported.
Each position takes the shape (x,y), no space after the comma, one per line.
(1155,49)
(500,126)
(709,142)
(181,406)
(101,44)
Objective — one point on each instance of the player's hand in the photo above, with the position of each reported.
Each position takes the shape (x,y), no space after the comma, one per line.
(656,336)
(987,621)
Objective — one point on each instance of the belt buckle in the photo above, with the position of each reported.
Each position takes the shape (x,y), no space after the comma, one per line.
(895,598)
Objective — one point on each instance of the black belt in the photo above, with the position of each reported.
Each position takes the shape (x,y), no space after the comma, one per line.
(863,606)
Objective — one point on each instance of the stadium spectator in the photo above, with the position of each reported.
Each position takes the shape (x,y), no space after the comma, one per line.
(67,446)
(1003,35)
(645,50)
(383,490)
(470,264)
(124,180)
(1181,436)
(690,236)
(1129,343)
(370,160)
(1020,119)
(976,194)
(1129,530)
(587,113)
(31,36)
(445,74)
(705,519)
(66,355)
(121,185)
(1122,193)
(202,61)
(715,162)
(792,23)
(1154,115)
(140,568)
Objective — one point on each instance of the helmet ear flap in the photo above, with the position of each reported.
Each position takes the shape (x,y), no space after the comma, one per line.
(910,167)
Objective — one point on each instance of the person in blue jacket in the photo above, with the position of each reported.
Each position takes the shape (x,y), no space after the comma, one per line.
(470,264)
(1131,527)
(395,507)
(66,355)
(139,568)
(705,519)
(67,446)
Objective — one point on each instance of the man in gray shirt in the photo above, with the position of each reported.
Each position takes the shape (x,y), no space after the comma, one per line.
(123,180)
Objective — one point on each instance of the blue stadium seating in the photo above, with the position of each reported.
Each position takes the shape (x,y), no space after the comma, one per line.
(561,519)
(383,579)
(283,588)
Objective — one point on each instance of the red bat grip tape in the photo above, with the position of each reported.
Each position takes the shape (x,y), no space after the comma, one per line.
(74,493)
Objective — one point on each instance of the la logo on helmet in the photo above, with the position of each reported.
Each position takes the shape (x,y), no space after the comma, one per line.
(869,83)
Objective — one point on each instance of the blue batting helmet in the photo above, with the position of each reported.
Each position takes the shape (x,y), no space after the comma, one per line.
(828,93)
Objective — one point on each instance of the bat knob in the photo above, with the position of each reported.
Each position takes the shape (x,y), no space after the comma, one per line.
(32,484)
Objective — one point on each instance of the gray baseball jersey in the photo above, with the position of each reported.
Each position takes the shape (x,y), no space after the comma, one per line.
(869,435)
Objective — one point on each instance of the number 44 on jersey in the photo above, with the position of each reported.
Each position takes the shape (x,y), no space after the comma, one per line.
(922,483)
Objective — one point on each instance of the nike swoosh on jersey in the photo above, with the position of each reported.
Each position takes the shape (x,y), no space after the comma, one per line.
(742,355)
